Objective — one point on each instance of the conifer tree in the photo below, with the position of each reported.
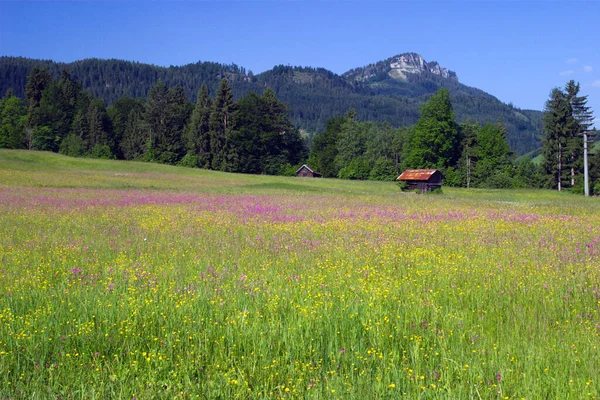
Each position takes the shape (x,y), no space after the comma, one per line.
(558,125)
(37,81)
(134,142)
(197,133)
(167,111)
(100,140)
(120,113)
(54,113)
(156,119)
(71,90)
(279,137)
(582,135)
(221,126)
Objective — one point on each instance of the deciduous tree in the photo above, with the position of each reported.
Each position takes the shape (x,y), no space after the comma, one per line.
(434,142)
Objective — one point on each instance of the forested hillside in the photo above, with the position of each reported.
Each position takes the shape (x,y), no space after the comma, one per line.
(314,95)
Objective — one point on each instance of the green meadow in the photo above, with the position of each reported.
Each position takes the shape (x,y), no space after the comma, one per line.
(135,280)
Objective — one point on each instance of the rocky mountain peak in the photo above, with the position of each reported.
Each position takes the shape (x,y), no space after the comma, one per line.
(413,63)
(399,66)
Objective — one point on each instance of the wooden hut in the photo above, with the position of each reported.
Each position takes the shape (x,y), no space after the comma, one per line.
(424,180)
(305,172)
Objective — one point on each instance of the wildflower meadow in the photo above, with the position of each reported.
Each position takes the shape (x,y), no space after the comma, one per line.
(129,280)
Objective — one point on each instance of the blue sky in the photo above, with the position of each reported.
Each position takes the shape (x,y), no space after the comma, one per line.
(515,50)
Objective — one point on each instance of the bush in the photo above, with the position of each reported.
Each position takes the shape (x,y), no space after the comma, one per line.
(42,138)
(289,169)
(578,187)
(102,151)
(383,170)
(451,177)
(358,168)
(190,160)
(500,180)
(402,185)
(72,146)
(167,157)
(273,165)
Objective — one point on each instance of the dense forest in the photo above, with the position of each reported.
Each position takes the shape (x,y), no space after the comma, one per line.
(313,95)
(255,133)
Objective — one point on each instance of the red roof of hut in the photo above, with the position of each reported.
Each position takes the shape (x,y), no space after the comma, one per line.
(417,175)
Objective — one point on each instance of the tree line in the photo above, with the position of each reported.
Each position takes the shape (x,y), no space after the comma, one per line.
(255,134)
(468,154)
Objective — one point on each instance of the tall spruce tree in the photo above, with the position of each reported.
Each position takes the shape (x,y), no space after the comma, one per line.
(221,126)
(71,90)
(179,110)
(100,140)
(582,133)
(558,126)
(263,138)
(135,139)
(245,144)
(156,118)
(197,132)
(120,113)
(76,143)
(167,111)
(574,145)
(53,113)
(37,81)
(279,137)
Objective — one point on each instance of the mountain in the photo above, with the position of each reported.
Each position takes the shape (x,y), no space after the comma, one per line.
(390,91)
(399,67)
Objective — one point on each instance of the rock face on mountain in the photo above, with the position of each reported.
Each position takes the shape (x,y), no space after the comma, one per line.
(398,67)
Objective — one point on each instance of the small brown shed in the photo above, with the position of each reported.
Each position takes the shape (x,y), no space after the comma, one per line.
(305,172)
(424,180)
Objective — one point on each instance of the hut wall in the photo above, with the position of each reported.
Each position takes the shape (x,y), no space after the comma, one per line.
(305,173)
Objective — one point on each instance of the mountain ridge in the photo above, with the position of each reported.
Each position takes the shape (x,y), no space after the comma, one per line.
(391,90)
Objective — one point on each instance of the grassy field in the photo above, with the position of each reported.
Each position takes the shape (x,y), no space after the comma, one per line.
(133,280)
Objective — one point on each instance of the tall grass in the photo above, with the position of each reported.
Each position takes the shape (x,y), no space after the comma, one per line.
(195,284)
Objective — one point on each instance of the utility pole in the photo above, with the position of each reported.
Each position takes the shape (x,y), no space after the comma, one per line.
(586,187)
(583,117)
(468,170)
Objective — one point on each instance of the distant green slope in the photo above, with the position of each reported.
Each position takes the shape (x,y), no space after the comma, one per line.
(537,159)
